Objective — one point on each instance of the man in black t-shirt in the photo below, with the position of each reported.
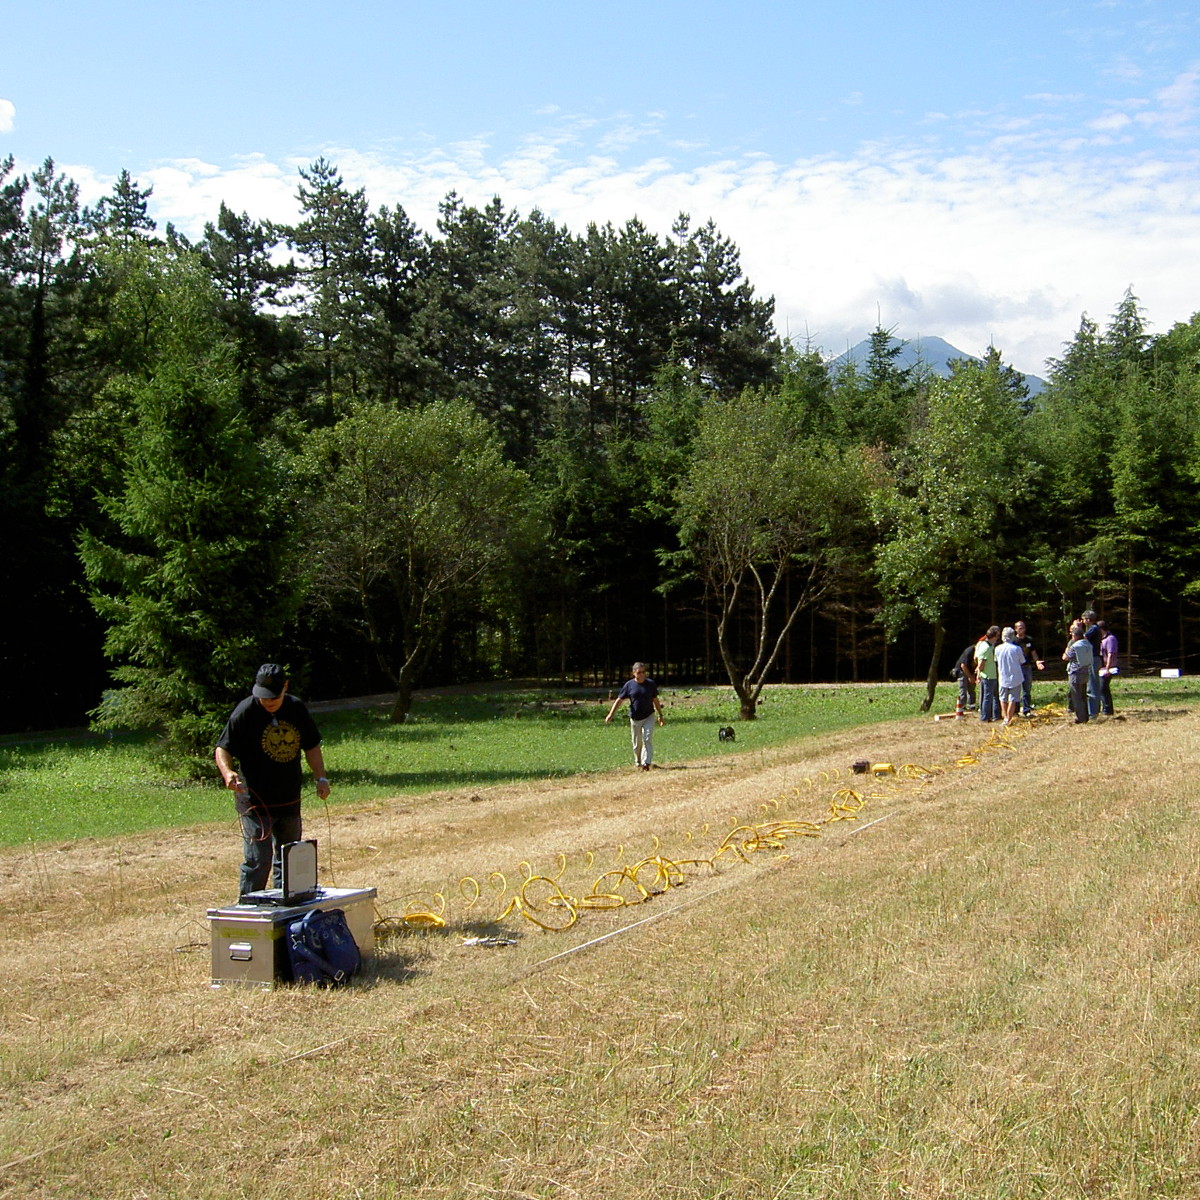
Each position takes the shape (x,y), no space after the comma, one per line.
(964,672)
(266,734)
(1031,661)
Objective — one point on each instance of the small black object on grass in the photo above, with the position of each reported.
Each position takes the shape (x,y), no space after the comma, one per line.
(726,734)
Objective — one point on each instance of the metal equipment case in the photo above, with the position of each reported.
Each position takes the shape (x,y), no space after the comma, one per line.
(249,941)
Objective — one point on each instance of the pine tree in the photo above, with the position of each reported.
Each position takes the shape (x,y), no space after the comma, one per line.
(470,310)
(254,287)
(725,333)
(123,215)
(393,341)
(331,239)
(194,583)
(48,645)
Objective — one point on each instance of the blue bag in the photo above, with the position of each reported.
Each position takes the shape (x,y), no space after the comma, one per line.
(321,948)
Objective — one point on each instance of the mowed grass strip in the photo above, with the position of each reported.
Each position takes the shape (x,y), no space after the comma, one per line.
(989,993)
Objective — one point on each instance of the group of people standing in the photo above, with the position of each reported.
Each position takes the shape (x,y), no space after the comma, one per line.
(1002,662)
(1000,666)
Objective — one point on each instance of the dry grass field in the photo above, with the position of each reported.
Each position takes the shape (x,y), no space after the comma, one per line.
(985,985)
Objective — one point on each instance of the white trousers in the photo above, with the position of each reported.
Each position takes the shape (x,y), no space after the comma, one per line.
(642,732)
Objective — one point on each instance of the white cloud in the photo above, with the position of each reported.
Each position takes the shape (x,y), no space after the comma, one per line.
(630,132)
(8,116)
(190,192)
(1111,122)
(1125,68)
(1178,105)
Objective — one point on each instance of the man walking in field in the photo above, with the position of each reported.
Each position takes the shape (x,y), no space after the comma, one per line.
(644,704)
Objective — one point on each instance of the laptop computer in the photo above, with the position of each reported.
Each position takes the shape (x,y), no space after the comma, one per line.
(299,877)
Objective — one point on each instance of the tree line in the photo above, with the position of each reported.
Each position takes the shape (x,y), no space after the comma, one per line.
(389,457)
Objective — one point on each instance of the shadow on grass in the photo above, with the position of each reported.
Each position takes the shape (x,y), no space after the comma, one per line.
(390,964)
(391,734)
(392,961)
(707,764)
(406,781)
(460,710)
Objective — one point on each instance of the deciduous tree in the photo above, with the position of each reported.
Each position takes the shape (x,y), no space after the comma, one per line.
(961,466)
(411,509)
(764,515)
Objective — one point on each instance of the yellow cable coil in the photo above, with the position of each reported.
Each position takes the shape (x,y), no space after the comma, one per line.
(542,901)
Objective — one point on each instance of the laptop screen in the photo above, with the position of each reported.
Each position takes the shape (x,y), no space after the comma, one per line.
(299,869)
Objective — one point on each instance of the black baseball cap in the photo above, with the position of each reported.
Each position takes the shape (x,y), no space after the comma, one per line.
(270,681)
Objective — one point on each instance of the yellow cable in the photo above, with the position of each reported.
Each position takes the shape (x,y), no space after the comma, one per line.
(556,911)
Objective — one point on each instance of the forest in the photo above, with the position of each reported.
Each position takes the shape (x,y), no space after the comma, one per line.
(390,457)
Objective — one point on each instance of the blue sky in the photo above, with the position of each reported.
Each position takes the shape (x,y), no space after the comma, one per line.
(983,173)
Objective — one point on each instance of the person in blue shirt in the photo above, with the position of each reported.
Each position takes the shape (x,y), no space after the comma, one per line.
(644,708)
(1078,657)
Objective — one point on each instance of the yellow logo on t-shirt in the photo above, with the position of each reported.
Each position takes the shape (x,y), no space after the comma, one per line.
(281,741)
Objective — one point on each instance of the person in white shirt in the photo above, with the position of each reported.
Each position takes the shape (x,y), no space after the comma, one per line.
(1010,663)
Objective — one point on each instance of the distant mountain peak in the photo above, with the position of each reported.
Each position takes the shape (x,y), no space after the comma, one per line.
(935,352)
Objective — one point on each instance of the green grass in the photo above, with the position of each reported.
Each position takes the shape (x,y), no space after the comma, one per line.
(65,788)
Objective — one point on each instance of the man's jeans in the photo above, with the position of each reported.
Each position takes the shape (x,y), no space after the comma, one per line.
(262,839)
(642,732)
(1093,689)
(989,699)
(1077,699)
